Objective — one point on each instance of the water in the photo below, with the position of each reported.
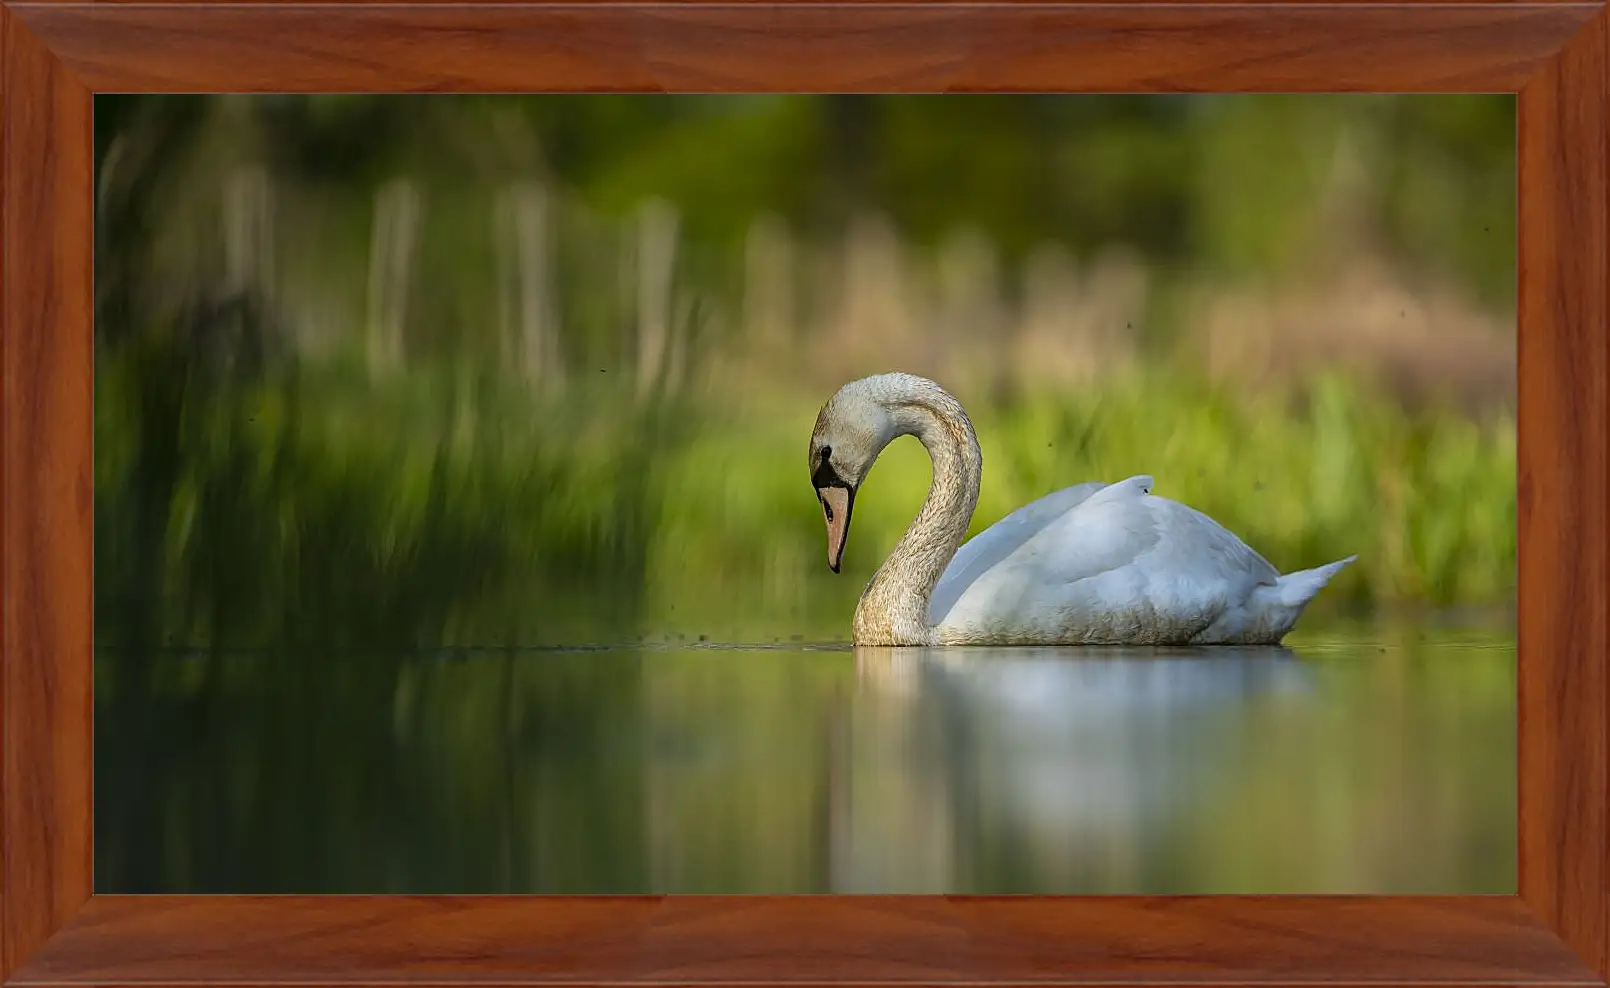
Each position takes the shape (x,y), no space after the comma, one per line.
(1355,761)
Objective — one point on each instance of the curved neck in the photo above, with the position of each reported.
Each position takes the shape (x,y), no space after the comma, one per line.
(894,606)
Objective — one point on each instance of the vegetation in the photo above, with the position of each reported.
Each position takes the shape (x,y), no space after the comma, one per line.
(305,511)
(539,369)
(378,375)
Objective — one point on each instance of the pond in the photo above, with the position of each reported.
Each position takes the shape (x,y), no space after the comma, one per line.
(1373,759)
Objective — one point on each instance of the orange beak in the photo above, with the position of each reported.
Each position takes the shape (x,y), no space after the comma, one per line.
(837,502)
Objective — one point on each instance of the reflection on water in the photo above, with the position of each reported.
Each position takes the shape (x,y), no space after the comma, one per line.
(1358,766)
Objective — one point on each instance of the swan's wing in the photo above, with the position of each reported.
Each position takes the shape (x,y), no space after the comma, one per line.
(1113,547)
(1126,526)
(995,543)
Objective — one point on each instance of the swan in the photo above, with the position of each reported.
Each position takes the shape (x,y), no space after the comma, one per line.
(1092,564)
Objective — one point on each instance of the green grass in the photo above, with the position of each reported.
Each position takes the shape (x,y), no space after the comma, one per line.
(446,507)
(1427,501)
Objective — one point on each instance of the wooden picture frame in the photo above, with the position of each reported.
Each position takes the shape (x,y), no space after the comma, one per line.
(56,55)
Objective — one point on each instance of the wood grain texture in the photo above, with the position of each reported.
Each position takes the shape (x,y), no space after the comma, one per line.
(330,939)
(826,3)
(53,55)
(1564,483)
(755,48)
(46,533)
(183,940)
(5,28)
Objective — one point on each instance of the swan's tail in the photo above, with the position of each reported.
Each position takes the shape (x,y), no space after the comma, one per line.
(1274,608)
(1295,590)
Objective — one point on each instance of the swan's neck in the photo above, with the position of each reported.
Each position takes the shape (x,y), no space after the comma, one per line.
(894,606)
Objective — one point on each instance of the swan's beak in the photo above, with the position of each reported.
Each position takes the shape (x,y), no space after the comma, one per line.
(837,502)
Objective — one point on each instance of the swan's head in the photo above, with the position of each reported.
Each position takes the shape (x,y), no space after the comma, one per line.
(851,430)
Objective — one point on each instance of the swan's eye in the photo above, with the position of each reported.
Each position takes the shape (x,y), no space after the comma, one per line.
(827,451)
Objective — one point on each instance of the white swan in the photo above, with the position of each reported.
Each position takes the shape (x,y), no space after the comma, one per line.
(1090,564)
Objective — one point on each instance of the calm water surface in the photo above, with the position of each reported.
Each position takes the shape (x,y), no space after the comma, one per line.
(1357,762)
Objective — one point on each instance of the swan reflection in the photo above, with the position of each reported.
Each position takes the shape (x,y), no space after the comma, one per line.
(1082,755)
(1089,679)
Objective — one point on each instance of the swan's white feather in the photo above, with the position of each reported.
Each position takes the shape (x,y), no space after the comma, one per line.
(986,549)
(1117,564)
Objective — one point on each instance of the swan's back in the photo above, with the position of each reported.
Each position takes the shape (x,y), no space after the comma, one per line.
(1098,563)
(994,544)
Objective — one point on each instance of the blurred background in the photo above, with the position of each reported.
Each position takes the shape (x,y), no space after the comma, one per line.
(402,401)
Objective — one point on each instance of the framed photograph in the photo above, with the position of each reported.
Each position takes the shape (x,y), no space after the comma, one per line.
(411,577)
